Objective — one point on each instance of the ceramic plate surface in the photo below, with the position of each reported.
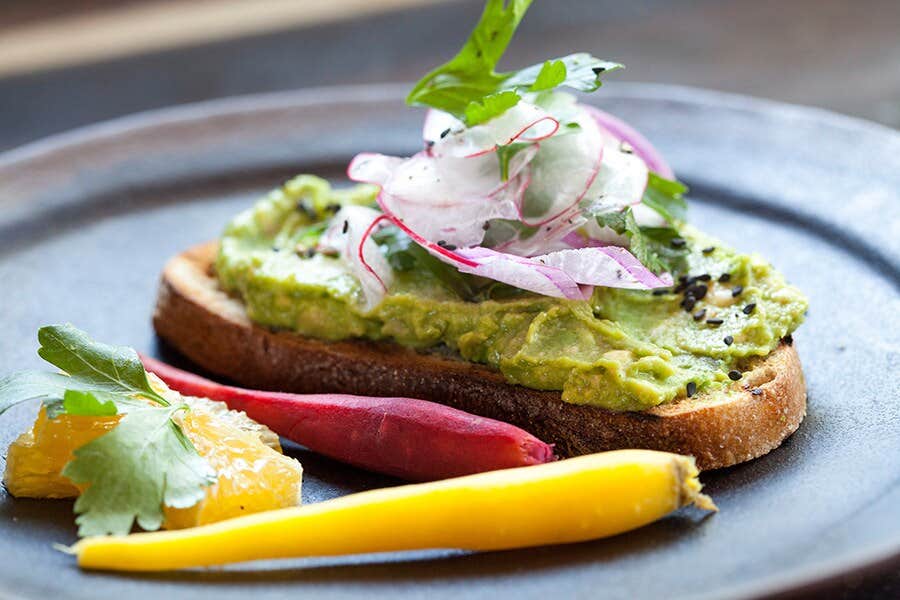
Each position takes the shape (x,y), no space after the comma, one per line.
(87,220)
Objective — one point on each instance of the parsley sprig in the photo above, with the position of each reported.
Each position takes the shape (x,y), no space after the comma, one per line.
(470,88)
(144,463)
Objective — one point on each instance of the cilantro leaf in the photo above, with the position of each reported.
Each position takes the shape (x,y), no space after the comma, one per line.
(144,463)
(579,71)
(106,368)
(470,74)
(617,220)
(492,105)
(666,197)
(89,405)
(552,73)
(470,77)
(653,246)
(505,154)
(31,385)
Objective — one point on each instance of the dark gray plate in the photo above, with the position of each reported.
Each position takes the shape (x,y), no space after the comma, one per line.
(87,220)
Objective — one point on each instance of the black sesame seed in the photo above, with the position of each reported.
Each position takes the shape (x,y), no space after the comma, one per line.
(688,303)
(346,226)
(749,308)
(697,291)
(788,339)
(678,242)
(729,340)
(734,375)
(698,316)
(598,70)
(486,226)
(661,291)
(429,143)
(310,252)
(756,392)
(709,250)
(445,133)
(691,388)
(704,277)
(737,291)
(725,277)
(442,243)
(715,321)
(276,249)
(450,247)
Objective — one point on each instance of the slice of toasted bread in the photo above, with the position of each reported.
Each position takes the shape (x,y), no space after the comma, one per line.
(746,420)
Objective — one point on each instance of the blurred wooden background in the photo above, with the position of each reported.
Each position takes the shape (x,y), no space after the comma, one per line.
(65,63)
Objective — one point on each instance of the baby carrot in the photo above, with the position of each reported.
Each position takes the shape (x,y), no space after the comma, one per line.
(407,438)
(573,500)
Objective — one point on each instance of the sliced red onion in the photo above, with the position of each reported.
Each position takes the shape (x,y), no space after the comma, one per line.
(564,273)
(445,135)
(624,132)
(549,237)
(609,266)
(523,273)
(349,234)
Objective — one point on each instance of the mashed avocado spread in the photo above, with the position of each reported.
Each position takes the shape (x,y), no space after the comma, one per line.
(622,349)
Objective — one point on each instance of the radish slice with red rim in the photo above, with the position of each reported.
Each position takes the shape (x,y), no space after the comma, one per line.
(562,173)
(468,191)
(350,235)
(446,135)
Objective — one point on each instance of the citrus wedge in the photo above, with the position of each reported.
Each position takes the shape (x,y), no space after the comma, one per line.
(253,474)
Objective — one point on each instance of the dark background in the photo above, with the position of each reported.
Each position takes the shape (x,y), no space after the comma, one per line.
(842,55)
(837,54)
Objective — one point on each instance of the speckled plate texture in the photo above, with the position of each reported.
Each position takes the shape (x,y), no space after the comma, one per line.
(87,220)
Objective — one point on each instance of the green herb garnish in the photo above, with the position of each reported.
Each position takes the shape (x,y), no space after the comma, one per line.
(655,247)
(404,254)
(144,463)
(470,88)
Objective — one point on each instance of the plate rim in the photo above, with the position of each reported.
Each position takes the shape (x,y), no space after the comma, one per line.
(868,562)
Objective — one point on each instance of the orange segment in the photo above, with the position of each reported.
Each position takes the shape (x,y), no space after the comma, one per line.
(253,475)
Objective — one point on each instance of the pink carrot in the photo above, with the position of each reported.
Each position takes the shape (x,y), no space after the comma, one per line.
(412,439)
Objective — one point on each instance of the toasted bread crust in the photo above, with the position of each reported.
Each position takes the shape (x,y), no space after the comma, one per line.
(724,428)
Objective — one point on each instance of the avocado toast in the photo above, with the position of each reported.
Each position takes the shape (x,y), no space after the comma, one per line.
(532,263)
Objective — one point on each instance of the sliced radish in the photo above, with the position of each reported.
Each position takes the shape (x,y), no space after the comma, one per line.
(349,234)
(447,136)
(624,132)
(446,198)
(563,171)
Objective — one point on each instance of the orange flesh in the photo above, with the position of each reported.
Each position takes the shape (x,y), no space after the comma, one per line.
(252,476)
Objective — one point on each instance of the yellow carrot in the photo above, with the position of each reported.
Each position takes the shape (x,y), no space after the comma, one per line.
(568,501)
